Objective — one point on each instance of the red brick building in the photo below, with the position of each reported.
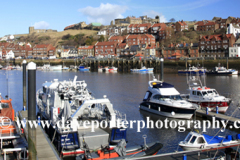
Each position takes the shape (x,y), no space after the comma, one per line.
(133,39)
(216,45)
(181,25)
(210,26)
(42,50)
(105,49)
(148,39)
(118,39)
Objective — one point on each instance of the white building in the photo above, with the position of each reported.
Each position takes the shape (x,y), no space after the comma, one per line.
(233,29)
(102,32)
(65,53)
(235,50)
(10,55)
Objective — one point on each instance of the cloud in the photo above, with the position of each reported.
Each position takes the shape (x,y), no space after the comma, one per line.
(41,25)
(104,13)
(153,14)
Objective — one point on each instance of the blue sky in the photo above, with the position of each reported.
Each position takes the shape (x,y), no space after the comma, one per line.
(17,16)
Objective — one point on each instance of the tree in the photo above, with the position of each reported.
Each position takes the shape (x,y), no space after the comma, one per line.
(172,20)
(88,42)
(101,39)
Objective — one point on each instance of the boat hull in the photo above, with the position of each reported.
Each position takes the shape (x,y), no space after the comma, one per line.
(167,111)
(191,72)
(222,106)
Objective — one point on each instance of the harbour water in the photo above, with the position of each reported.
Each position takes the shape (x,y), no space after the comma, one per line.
(126,91)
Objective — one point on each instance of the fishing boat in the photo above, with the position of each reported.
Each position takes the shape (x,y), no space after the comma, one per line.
(192,70)
(205,97)
(163,99)
(123,152)
(195,141)
(222,71)
(83,69)
(72,102)
(143,69)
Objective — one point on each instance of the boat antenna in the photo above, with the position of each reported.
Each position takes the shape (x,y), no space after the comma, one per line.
(204,79)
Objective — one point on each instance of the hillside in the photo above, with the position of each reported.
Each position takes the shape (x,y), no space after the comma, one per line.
(54,37)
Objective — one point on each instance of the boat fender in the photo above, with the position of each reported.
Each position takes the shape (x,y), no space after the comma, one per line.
(23,154)
(173,113)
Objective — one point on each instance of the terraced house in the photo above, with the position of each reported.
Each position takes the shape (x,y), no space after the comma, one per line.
(216,45)
(86,51)
(42,50)
(105,49)
(209,26)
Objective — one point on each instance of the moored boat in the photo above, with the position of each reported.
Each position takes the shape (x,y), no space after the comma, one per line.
(72,101)
(143,69)
(222,71)
(163,99)
(194,141)
(83,69)
(206,97)
(192,70)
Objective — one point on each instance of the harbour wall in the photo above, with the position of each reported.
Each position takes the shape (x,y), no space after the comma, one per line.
(123,65)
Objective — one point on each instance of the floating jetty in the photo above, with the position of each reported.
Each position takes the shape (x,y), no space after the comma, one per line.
(210,115)
(45,149)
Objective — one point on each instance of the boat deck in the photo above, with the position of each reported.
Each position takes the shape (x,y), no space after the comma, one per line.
(44,147)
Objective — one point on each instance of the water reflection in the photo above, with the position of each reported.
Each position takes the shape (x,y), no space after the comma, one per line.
(126,91)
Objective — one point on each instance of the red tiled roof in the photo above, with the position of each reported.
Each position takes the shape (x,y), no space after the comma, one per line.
(144,25)
(210,37)
(159,25)
(147,35)
(208,24)
(105,43)
(86,47)
(176,54)
(139,55)
(133,36)
(228,35)
(115,37)
(41,46)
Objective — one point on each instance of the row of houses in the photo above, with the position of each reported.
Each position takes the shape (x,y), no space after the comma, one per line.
(127,46)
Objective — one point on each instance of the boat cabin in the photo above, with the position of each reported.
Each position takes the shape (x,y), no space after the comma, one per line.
(201,92)
(203,139)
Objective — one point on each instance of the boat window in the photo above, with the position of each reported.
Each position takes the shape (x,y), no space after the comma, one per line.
(156,97)
(188,137)
(200,140)
(204,93)
(210,92)
(44,90)
(194,92)
(173,97)
(215,91)
(4,105)
(193,139)
(199,93)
